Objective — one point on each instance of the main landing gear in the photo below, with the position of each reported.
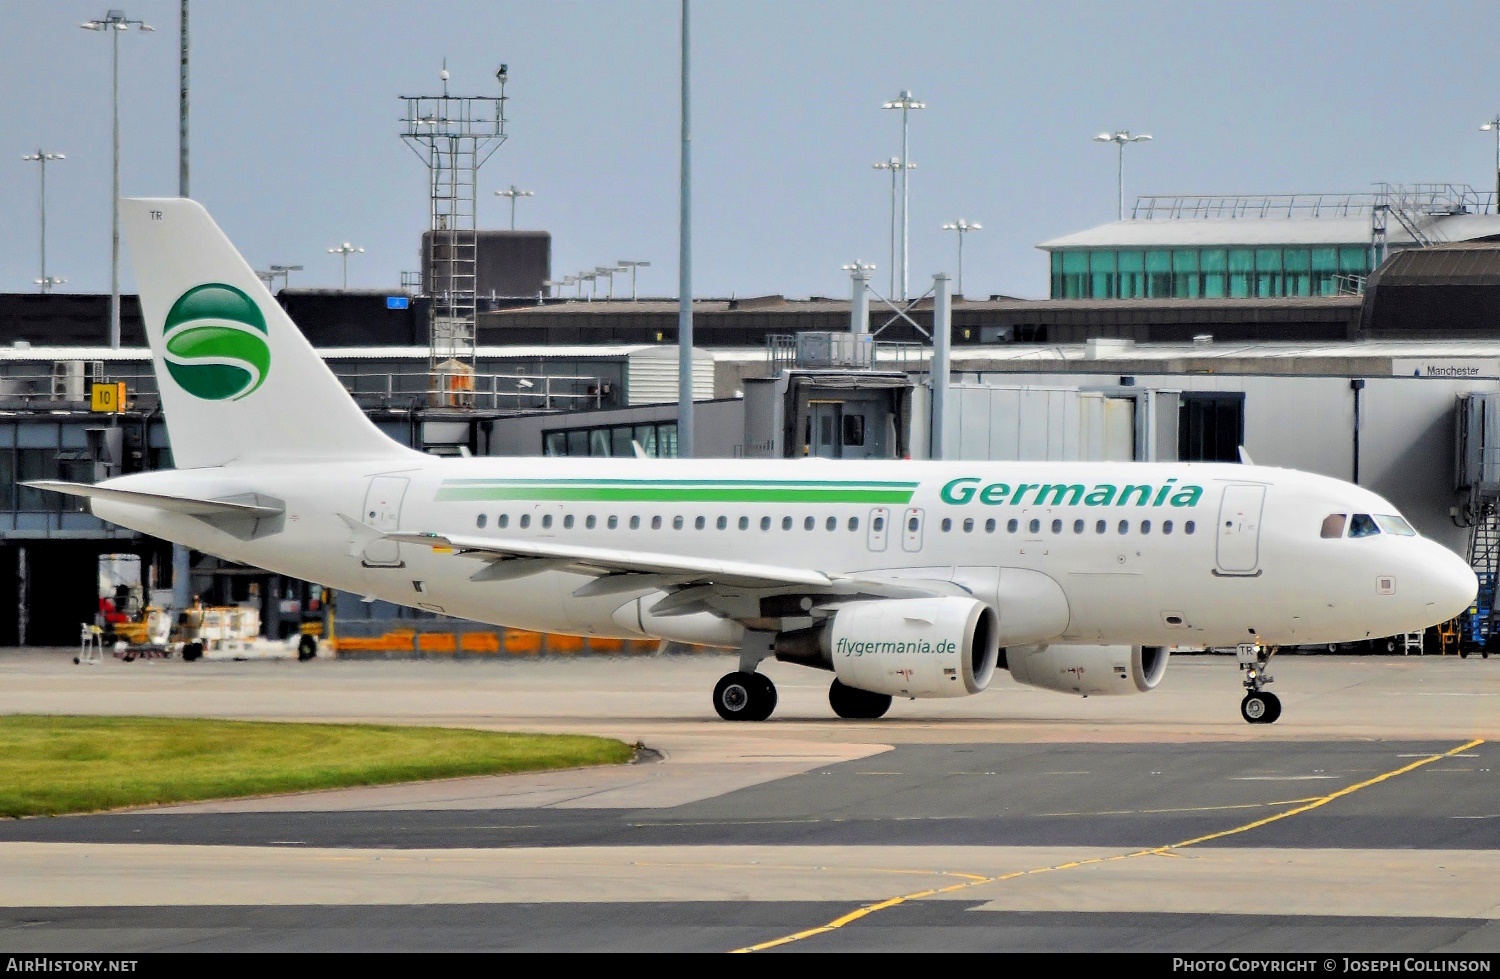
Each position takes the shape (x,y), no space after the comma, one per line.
(1260,706)
(746,695)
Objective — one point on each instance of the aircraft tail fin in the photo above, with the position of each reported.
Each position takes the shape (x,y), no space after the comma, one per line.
(238,380)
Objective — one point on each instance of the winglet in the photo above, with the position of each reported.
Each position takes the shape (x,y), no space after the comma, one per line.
(1245,459)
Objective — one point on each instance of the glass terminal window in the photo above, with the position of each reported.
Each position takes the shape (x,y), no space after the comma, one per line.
(1191,273)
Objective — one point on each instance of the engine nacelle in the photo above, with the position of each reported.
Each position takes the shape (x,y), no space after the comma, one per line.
(1088,670)
(908,647)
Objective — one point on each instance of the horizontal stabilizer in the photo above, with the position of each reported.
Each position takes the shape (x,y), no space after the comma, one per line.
(189,505)
(604,561)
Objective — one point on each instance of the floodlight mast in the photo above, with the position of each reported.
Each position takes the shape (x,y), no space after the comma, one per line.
(115,22)
(894,165)
(1494,126)
(513,193)
(345,250)
(42,157)
(962,227)
(907,103)
(1120,138)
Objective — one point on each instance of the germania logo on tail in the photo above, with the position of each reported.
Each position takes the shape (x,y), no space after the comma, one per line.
(216,343)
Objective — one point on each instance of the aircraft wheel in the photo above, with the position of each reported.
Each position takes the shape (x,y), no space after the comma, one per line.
(1273,707)
(855,704)
(765,697)
(743,697)
(1256,707)
(307,648)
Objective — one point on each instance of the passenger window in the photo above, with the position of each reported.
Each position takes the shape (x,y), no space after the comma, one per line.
(504,521)
(525,520)
(589,522)
(677,522)
(1362,525)
(656,523)
(947,525)
(832,523)
(479,522)
(1035,526)
(1100,527)
(1189,527)
(809,523)
(1395,525)
(1333,526)
(722,523)
(1145,526)
(699,523)
(1078,526)
(913,524)
(1166,526)
(968,525)
(853,523)
(635,523)
(1011,526)
(786,523)
(744,523)
(989,526)
(765,523)
(1124,526)
(1057,526)
(568,522)
(546,521)
(878,524)
(613,521)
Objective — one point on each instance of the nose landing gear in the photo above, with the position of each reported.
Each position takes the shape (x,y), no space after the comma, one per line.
(1260,706)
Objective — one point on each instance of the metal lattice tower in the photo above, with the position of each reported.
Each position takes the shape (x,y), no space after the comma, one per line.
(454,136)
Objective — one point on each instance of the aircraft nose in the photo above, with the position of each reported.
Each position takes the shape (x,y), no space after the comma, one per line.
(1451,585)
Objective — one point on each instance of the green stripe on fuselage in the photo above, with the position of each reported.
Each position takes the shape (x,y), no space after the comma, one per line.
(667,492)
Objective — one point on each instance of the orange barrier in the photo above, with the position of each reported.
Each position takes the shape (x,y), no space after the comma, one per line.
(502,642)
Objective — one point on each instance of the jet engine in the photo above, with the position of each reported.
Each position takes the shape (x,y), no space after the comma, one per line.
(1087,670)
(909,647)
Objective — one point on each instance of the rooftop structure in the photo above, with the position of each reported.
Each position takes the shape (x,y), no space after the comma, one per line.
(1269,245)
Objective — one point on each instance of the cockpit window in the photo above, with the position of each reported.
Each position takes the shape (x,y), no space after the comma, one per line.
(1393,524)
(1333,525)
(1363,525)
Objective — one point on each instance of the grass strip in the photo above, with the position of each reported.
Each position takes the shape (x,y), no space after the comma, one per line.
(51,764)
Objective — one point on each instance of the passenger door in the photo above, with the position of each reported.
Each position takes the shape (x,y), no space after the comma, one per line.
(878,535)
(1239,530)
(382,512)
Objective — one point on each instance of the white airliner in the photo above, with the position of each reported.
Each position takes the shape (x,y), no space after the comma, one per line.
(904,579)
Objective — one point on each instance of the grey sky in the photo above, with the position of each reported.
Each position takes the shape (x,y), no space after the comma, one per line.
(295,147)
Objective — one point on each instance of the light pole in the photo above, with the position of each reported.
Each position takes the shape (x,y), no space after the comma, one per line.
(591,278)
(285,272)
(43,157)
(1120,139)
(894,165)
(632,265)
(611,271)
(962,227)
(906,103)
(1494,126)
(115,22)
(345,250)
(513,193)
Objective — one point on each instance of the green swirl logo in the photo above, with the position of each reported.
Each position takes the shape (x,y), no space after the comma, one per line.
(216,343)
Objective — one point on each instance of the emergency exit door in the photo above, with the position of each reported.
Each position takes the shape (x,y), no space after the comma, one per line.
(382,512)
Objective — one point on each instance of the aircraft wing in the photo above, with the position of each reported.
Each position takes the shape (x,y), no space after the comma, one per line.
(515,559)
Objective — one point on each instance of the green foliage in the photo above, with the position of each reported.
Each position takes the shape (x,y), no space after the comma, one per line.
(59,764)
